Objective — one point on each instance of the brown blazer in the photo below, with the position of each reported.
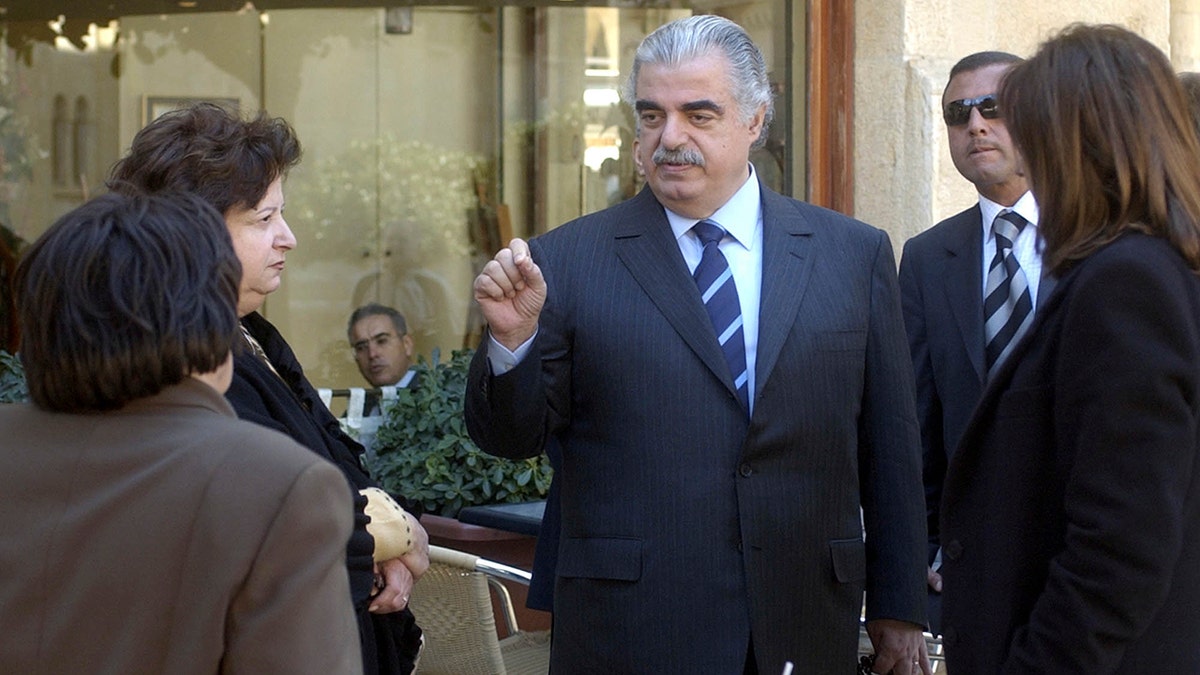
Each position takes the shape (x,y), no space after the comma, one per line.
(169,537)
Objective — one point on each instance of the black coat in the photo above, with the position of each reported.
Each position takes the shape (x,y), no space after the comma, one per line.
(941,284)
(1070,517)
(288,403)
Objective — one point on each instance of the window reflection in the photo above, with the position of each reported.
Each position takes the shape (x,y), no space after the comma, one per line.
(61,140)
(431,136)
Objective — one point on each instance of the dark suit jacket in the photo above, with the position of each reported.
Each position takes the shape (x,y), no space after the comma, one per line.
(373,397)
(169,537)
(1071,510)
(545,555)
(940,283)
(288,403)
(687,527)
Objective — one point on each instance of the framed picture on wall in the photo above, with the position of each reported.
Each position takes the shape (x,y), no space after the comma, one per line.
(154,106)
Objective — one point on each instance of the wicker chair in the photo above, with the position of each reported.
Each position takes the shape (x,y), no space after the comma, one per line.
(453,605)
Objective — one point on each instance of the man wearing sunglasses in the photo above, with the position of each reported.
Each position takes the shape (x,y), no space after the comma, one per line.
(954,285)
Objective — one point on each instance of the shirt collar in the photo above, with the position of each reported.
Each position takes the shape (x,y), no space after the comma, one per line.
(1026,207)
(739,216)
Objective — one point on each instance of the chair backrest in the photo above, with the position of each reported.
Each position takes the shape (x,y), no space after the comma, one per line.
(453,605)
(454,608)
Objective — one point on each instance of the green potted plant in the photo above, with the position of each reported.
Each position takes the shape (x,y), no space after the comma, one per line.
(423,452)
(12,379)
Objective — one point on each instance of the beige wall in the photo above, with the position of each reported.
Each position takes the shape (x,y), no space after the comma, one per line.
(1185,34)
(173,56)
(904,179)
(29,205)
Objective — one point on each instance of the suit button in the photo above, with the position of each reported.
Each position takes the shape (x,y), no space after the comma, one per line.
(953,550)
(745,470)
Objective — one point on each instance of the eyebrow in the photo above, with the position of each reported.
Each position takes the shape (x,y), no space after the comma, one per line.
(386,333)
(691,106)
(269,209)
(703,104)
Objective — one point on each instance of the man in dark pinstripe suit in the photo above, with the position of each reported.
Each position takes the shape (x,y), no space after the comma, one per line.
(702,531)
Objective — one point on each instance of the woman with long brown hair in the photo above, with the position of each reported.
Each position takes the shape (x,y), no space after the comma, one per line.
(1071,511)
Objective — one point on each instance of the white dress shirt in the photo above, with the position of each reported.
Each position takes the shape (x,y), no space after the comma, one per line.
(741,217)
(1025,247)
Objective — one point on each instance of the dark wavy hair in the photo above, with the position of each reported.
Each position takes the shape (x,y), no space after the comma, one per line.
(1108,142)
(979,60)
(210,151)
(124,296)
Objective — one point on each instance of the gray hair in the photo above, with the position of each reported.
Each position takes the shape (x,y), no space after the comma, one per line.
(695,36)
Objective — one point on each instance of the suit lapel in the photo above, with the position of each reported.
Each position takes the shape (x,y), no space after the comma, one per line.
(964,253)
(646,246)
(996,385)
(787,261)
(1045,288)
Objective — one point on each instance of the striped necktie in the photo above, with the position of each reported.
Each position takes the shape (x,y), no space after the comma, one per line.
(717,289)
(1007,304)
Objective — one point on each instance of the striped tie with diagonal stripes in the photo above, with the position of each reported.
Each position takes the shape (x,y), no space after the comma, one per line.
(717,289)
(1007,304)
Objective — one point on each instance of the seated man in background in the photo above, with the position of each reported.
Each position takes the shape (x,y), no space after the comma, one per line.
(136,534)
(383,349)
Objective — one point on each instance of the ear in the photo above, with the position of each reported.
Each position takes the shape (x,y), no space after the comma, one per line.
(756,123)
(637,158)
(408,346)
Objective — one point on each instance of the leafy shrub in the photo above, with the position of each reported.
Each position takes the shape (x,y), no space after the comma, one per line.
(423,452)
(12,379)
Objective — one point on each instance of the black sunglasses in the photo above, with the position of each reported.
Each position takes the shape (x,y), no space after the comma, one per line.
(958,113)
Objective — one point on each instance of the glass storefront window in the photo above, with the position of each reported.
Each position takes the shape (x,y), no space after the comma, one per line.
(432,134)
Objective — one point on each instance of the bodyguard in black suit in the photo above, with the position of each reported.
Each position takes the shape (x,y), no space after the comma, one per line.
(712,478)
(1071,511)
(943,272)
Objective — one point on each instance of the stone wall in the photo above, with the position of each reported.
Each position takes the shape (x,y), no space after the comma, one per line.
(904,178)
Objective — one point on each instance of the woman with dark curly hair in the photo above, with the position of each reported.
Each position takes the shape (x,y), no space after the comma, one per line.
(239,167)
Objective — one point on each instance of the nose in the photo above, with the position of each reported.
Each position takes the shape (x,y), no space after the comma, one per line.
(976,124)
(284,238)
(674,134)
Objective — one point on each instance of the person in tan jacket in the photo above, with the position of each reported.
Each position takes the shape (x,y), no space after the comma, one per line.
(136,533)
